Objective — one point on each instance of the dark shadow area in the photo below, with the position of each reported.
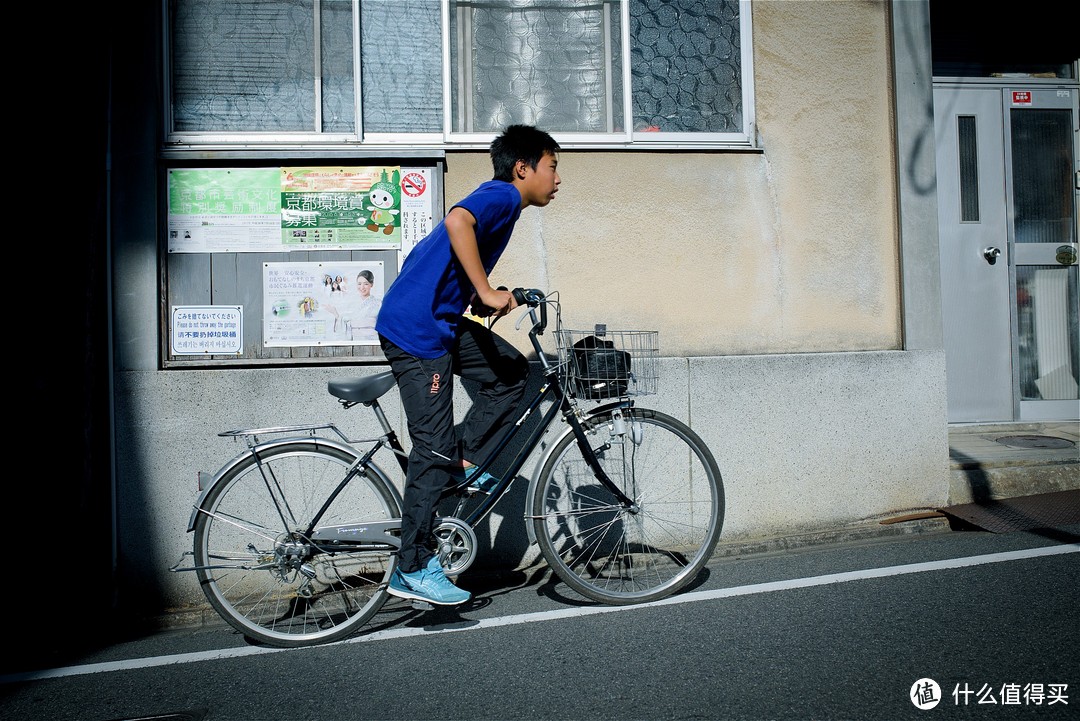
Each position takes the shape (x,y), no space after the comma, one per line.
(967,40)
(978,478)
(1049,515)
(1061,535)
(63,277)
(441,616)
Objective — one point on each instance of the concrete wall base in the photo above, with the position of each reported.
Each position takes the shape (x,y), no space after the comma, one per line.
(804,442)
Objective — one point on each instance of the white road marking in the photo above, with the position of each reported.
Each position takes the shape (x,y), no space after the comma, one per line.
(693,597)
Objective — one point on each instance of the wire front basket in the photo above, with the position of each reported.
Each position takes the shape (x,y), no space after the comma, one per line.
(602,363)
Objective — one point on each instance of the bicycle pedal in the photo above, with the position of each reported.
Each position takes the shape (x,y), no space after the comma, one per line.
(419,605)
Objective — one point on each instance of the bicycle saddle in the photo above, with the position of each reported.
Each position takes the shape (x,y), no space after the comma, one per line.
(362,390)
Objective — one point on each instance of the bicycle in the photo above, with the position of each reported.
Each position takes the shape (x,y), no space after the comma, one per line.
(295,538)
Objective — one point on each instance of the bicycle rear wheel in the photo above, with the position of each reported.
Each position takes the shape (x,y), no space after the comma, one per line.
(622,556)
(258,570)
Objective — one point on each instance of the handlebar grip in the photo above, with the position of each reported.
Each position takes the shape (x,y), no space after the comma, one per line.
(528,296)
(479,309)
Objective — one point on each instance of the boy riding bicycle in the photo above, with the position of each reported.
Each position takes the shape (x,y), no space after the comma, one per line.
(427,340)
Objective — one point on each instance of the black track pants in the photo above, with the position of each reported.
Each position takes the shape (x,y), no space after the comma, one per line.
(427,396)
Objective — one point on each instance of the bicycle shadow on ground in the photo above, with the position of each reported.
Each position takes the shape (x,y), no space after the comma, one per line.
(486,587)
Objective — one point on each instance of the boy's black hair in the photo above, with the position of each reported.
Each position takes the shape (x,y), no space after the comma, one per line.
(519,142)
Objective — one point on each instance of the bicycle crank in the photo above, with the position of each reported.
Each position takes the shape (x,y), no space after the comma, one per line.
(456,545)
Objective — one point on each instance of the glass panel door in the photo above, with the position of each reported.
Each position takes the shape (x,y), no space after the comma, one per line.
(1041,130)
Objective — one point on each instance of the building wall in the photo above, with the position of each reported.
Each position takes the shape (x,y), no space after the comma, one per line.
(790,250)
(774,278)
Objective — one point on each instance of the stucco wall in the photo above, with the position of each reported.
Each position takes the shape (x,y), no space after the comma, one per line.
(793,249)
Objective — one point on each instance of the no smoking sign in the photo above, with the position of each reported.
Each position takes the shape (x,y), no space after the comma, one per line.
(413,184)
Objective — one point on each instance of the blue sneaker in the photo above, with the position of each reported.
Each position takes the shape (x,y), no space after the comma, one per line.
(434,566)
(485,483)
(428,584)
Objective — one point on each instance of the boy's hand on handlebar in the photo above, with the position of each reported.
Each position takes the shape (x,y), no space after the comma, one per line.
(493,303)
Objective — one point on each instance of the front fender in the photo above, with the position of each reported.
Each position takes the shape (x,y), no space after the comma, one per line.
(535,480)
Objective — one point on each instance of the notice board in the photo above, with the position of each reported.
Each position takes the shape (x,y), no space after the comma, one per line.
(287,263)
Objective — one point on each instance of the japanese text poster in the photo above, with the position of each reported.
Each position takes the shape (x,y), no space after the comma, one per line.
(274,210)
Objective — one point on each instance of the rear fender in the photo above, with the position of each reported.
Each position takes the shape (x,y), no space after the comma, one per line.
(262,448)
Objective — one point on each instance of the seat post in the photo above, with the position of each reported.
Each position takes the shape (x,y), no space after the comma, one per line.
(377,409)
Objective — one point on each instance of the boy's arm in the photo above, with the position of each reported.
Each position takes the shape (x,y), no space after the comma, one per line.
(461,228)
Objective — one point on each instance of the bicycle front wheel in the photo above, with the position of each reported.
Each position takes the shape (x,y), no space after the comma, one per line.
(262,574)
(619,555)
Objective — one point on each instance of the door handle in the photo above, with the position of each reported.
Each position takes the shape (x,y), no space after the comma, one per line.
(991,254)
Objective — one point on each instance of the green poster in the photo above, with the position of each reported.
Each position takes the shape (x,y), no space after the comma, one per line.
(250,210)
(341,207)
(231,191)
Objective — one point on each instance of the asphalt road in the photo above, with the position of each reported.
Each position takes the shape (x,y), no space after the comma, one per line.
(845,631)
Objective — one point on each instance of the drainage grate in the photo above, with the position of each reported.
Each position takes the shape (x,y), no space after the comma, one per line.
(1035,442)
(1023,513)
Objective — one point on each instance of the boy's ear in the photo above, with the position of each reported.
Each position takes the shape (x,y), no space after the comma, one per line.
(519,169)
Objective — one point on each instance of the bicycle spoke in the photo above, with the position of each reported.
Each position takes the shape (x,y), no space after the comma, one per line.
(254,528)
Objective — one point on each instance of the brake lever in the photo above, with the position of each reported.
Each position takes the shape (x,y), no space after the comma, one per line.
(527,314)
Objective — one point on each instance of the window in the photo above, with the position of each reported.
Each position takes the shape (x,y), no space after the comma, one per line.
(452,73)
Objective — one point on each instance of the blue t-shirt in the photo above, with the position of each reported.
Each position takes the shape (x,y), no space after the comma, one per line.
(423,306)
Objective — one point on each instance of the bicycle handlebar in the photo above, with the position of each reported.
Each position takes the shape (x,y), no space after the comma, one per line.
(530,297)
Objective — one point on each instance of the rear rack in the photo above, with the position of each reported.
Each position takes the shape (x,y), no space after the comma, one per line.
(252,434)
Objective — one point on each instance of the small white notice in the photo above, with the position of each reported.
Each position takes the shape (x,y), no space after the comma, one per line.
(207,329)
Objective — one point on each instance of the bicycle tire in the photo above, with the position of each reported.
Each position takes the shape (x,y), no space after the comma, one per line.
(242,545)
(623,556)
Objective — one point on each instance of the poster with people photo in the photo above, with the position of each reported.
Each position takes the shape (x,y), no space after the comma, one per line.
(321,304)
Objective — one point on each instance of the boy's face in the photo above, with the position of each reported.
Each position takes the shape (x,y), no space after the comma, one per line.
(538,186)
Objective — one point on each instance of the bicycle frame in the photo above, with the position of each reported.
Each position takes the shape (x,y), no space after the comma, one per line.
(380,534)
(552,387)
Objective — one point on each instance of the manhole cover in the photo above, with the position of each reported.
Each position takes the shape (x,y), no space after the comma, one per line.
(1035,442)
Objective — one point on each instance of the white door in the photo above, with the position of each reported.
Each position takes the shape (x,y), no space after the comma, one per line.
(973,235)
(1007,220)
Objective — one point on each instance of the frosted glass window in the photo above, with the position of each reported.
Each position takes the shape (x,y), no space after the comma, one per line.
(294,67)
(1043,195)
(969,168)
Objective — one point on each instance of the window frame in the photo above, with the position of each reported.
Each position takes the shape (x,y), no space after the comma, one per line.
(448,139)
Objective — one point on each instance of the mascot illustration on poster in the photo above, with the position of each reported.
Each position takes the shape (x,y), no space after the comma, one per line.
(384,201)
